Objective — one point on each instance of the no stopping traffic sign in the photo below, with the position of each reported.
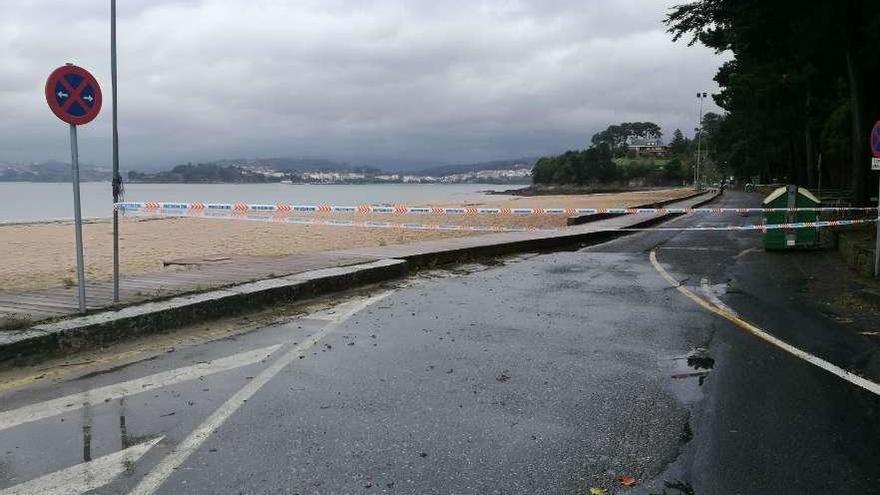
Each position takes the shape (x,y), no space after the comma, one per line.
(875,140)
(73,94)
(875,149)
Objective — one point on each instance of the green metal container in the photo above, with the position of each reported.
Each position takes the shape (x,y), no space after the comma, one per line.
(791,197)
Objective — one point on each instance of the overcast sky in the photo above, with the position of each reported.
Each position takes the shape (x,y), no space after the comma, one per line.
(354,80)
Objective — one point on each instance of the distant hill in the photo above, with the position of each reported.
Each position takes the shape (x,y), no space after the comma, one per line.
(442,170)
(294,165)
(283,164)
(249,169)
(203,173)
(50,171)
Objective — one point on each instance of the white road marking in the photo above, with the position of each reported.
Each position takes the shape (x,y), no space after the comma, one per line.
(710,294)
(745,252)
(42,410)
(691,248)
(151,482)
(849,376)
(83,477)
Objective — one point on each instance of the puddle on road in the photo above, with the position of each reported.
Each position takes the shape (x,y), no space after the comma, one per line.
(701,360)
(689,373)
(87,432)
(672,481)
(676,488)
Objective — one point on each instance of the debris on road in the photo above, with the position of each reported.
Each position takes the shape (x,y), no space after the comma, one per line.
(626,480)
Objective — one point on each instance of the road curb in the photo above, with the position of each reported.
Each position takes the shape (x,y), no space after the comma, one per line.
(107,327)
(595,217)
(546,243)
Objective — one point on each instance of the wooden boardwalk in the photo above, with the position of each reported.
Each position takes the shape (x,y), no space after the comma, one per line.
(199,275)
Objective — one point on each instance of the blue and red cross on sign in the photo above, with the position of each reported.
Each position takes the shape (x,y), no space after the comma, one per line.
(875,140)
(73,94)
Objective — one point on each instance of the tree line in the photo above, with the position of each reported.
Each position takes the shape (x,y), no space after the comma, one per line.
(619,136)
(611,160)
(201,172)
(799,90)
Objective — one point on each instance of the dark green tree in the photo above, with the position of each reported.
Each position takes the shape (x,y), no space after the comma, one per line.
(797,85)
(679,144)
(618,136)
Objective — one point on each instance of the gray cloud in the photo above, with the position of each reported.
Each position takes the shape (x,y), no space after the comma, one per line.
(354,80)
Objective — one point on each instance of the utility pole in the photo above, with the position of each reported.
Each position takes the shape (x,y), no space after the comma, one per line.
(117,179)
(701,97)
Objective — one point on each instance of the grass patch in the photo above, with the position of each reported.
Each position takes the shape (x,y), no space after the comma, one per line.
(15,322)
(644,161)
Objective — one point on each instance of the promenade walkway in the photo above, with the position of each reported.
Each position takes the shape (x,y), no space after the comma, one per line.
(20,309)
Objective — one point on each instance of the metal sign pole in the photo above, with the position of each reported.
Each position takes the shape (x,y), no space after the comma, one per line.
(877,245)
(74,96)
(874,142)
(116,179)
(77,220)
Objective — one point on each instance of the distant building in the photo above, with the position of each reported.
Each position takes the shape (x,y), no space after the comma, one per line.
(388,178)
(498,176)
(645,147)
(320,176)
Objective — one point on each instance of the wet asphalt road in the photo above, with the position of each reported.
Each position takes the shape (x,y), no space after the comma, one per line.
(550,373)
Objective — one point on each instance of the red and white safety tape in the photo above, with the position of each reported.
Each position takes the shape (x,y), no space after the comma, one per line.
(762,227)
(330,222)
(457,210)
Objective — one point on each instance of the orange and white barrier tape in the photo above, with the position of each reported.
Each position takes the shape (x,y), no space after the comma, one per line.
(331,222)
(458,210)
(283,218)
(761,227)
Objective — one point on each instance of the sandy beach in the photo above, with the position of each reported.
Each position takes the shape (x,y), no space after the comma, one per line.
(42,255)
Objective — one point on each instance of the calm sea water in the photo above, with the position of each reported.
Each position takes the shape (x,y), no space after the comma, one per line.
(31,202)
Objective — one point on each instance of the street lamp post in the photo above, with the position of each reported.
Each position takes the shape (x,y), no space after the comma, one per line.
(701,97)
(697,159)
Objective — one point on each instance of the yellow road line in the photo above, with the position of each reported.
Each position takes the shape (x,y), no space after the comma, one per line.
(849,376)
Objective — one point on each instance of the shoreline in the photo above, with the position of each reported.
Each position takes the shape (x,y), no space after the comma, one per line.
(54,221)
(23,202)
(40,254)
(490,194)
(536,191)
